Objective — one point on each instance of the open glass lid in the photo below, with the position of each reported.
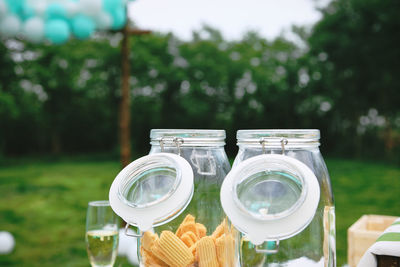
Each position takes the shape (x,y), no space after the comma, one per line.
(270,197)
(152,190)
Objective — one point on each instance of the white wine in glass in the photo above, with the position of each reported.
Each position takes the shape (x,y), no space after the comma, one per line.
(101,234)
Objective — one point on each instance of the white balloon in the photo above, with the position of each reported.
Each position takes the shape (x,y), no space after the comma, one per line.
(7,242)
(10,26)
(3,8)
(72,8)
(91,7)
(103,21)
(39,7)
(34,29)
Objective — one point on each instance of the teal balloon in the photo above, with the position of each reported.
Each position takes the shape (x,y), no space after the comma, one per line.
(57,31)
(111,5)
(27,12)
(15,6)
(56,11)
(119,18)
(83,26)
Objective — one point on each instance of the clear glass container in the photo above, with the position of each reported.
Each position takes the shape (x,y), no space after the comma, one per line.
(204,150)
(287,194)
(172,197)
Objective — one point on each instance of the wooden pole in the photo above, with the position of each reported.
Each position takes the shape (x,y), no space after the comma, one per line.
(125,107)
(125,114)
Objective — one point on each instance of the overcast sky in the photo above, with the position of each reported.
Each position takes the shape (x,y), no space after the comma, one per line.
(232,17)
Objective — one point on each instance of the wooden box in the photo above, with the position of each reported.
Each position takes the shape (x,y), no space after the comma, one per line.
(363,233)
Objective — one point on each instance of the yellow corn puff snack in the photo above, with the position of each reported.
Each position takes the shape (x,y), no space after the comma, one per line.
(193,249)
(150,260)
(230,250)
(148,240)
(220,230)
(188,219)
(188,227)
(207,253)
(175,252)
(178,232)
(193,236)
(156,251)
(201,229)
(189,238)
(225,247)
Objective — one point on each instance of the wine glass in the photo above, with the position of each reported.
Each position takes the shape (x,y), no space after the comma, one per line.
(101,234)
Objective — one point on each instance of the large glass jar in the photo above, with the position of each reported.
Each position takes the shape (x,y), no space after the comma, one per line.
(204,150)
(279,196)
(172,196)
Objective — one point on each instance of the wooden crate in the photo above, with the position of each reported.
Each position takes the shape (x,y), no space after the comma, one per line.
(363,233)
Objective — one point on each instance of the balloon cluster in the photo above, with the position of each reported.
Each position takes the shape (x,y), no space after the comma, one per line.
(58,20)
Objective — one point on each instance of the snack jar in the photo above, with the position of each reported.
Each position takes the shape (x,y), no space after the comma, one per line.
(171,197)
(278,196)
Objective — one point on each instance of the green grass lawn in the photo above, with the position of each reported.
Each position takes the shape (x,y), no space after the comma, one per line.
(362,188)
(43,204)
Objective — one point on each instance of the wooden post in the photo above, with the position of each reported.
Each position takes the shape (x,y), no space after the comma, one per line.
(124,109)
(124,112)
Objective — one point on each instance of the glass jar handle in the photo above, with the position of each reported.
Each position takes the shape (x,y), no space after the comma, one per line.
(272,247)
(198,158)
(132,235)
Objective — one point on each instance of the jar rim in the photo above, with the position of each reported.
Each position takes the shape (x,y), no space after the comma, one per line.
(261,166)
(134,174)
(159,211)
(273,137)
(187,137)
(287,224)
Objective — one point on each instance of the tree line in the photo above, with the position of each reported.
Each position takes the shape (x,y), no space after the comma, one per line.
(342,79)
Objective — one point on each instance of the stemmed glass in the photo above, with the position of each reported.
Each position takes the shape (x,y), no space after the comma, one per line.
(101,234)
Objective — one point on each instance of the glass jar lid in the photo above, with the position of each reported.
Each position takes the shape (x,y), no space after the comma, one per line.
(272,138)
(270,197)
(187,137)
(152,190)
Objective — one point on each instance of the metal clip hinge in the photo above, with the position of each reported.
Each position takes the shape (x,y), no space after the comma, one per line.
(129,234)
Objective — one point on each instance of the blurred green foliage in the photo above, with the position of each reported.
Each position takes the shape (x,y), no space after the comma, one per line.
(342,77)
(354,53)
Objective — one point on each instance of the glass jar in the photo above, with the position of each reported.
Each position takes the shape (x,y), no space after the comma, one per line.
(279,196)
(204,150)
(172,197)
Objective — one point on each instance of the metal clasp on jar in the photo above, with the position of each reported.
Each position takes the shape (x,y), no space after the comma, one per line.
(204,162)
